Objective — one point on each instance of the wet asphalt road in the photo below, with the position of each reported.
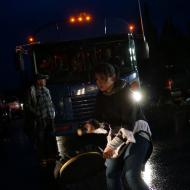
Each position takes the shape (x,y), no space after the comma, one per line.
(167,169)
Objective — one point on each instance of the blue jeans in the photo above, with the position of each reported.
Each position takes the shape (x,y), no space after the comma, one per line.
(125,172)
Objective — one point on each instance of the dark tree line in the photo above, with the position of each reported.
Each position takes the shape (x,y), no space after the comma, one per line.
(169,55)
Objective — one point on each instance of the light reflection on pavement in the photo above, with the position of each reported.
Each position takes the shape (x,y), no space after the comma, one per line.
(147,174)
(168,167)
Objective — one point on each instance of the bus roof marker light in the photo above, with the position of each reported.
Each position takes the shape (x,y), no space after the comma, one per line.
(31,39)
(80,18)
(72,19)
(88,18)
(131,28)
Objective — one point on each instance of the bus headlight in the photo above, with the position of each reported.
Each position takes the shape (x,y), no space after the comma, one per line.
(137,96)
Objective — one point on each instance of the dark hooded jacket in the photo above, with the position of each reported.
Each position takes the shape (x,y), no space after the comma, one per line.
(117,108)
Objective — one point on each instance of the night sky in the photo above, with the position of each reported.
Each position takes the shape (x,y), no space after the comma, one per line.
(20,18)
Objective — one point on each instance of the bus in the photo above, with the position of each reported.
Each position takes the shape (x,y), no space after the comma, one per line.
(69,65)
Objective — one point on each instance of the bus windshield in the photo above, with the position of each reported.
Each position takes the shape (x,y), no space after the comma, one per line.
(73,61)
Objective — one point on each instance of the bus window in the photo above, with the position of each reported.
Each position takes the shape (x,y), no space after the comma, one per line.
(75,62)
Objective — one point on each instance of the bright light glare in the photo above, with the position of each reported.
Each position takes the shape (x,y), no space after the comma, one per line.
(137,96)
(134,75)
(131,28)
(80,19)
(81,91)
(72,19)
(30,39)
(22,106)
(147,174)
(88,18)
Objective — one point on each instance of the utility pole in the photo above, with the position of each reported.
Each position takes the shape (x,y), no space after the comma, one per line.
(142,28)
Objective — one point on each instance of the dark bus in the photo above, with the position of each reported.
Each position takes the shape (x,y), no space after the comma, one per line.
(70,66)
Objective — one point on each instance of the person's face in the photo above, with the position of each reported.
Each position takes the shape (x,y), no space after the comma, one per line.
(41,82)
(104,83)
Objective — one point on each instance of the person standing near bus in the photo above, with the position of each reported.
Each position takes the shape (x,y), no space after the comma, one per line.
(40,114)
(126,126)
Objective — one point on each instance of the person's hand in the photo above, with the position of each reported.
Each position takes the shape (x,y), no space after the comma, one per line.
(108,152)
(79,132)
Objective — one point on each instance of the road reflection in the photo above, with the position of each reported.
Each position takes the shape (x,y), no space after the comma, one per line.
(147,173)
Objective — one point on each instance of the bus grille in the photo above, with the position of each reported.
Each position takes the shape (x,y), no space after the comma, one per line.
(83,107)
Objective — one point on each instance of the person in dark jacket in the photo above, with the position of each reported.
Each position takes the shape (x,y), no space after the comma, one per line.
(129,137)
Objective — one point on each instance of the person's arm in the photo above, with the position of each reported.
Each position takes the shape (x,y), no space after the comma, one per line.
(123,136)
(128,116)
(114,146)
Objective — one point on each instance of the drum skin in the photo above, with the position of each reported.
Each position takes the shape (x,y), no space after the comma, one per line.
(82,166)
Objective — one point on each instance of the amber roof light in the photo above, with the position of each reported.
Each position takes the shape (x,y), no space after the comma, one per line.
(31,39)
(80,18)
(131,27)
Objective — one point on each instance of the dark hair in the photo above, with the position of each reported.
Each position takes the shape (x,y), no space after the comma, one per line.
(106,69)
(40,76)
(94,122)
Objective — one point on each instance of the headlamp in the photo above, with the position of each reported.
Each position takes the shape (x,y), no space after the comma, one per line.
(137,96)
